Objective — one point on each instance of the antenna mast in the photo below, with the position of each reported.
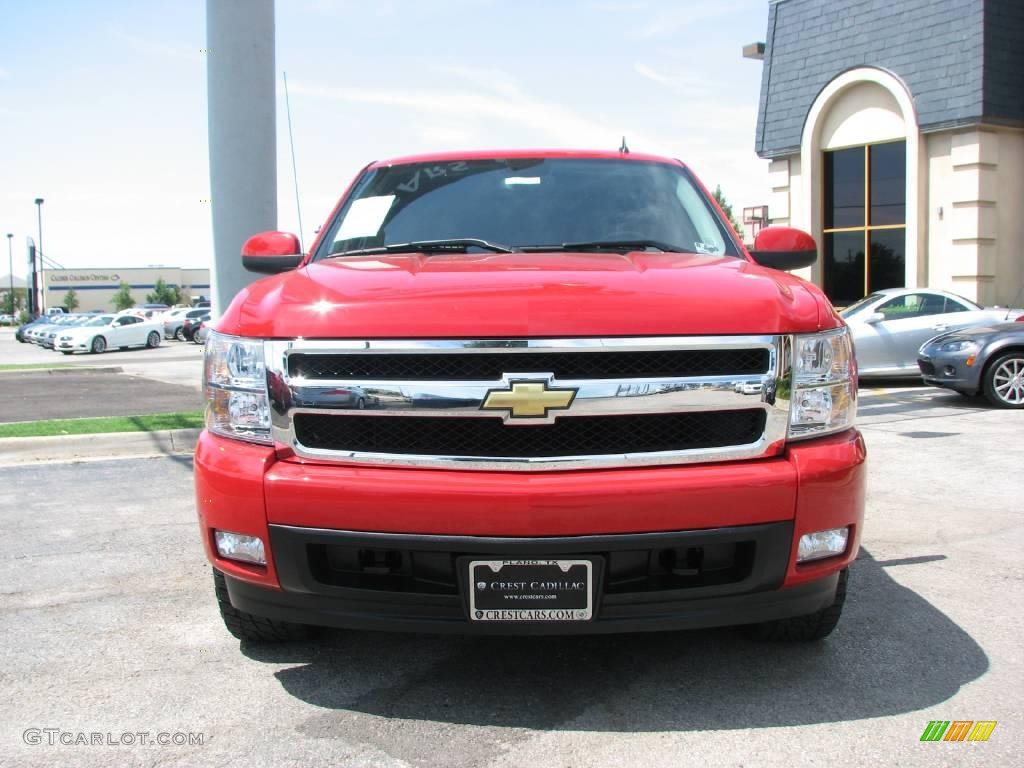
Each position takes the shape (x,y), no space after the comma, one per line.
(291,142)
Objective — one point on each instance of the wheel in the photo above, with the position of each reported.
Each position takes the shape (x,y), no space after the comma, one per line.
(179,334)
(153,340)
(65,352)
(246,626)
(360,404)
(99,345)
(813,626)
(1004,381)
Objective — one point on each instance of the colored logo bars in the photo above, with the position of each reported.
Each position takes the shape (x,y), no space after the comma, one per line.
(958,730)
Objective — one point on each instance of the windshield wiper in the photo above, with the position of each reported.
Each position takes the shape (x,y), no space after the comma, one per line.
(610,245)
(454,244)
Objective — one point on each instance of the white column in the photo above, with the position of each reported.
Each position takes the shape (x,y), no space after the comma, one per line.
(242,135)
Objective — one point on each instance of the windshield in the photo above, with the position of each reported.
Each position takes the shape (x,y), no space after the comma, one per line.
(857,306)
(101,320)
(528,203)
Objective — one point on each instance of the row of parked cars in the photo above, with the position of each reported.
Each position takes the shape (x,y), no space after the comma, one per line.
(95,332)
(948,340)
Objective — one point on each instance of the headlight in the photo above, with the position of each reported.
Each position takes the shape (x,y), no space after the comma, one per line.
(958,346)
(824,396)
(235,378)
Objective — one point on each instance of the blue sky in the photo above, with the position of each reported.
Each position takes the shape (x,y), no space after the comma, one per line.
(103,104)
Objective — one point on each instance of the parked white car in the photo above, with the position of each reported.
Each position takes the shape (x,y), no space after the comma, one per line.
(111,332)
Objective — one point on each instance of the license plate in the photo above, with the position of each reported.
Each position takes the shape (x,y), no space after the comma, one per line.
(531,590)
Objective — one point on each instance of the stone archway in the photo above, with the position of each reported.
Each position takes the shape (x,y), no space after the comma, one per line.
(862,106)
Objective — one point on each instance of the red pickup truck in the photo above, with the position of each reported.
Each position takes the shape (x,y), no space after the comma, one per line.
(529,392)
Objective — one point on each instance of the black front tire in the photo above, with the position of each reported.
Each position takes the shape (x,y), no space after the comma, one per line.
(813,626)
(246,626)
(998,374)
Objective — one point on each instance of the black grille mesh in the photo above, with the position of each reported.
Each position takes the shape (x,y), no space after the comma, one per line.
(568,436)
(489,366)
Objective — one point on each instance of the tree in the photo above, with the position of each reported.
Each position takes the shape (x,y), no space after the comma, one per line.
(70,300)
(164,294)
(13,302)
(123,298)
(726,206)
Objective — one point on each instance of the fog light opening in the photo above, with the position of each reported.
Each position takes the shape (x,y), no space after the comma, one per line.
(822,544)
(240,546)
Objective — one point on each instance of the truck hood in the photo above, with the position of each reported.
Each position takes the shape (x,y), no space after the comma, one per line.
(527,295)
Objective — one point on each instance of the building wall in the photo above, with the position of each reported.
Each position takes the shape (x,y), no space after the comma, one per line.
(95,288)
(942,74)
(975,230)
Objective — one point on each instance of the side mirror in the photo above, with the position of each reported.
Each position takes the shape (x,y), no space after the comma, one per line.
(874,317)
(784,248)
(271,253)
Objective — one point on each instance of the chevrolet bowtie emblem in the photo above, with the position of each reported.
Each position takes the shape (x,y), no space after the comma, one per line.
(528,399)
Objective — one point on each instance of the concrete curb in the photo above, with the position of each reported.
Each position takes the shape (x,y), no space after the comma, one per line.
(111,445)
(69,369)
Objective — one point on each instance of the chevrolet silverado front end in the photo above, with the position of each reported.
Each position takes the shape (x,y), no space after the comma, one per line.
(530,392)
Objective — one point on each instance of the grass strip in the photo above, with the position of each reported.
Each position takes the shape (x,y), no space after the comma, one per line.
(149,423)
(32,366)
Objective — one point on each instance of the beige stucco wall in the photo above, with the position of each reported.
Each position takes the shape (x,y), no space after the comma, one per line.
(975,207)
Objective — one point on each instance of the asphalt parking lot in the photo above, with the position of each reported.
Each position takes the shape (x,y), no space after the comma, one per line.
(109,626)
(173,362)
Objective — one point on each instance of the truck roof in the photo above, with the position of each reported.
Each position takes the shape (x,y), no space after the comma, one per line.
(493,154)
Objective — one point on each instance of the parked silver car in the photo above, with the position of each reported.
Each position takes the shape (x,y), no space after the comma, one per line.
(889,327)
(174,321)
(988,360)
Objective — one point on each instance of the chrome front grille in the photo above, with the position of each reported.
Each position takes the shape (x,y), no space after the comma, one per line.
(537,404)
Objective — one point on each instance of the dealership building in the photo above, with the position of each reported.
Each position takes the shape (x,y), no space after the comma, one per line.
(895,131)
(95,288)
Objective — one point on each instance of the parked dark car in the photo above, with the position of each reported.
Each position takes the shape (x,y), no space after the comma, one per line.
(191,324)
(175,323)
(986,360)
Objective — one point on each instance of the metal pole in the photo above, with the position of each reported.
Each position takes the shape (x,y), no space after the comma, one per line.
(10,269)
(42,267)
(242,135)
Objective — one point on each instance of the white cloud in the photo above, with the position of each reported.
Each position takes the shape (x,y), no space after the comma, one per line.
(651,74)
(490,79)
(158,47)
(553,122)
(618,7)
(679,18)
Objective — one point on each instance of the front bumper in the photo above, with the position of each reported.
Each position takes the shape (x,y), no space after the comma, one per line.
(740,596)
(951,372)
(298,508)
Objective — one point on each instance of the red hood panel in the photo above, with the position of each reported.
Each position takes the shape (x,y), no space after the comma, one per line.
(526,295)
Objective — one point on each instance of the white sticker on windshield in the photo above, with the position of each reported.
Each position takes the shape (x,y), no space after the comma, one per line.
(708,248)
(364,217)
